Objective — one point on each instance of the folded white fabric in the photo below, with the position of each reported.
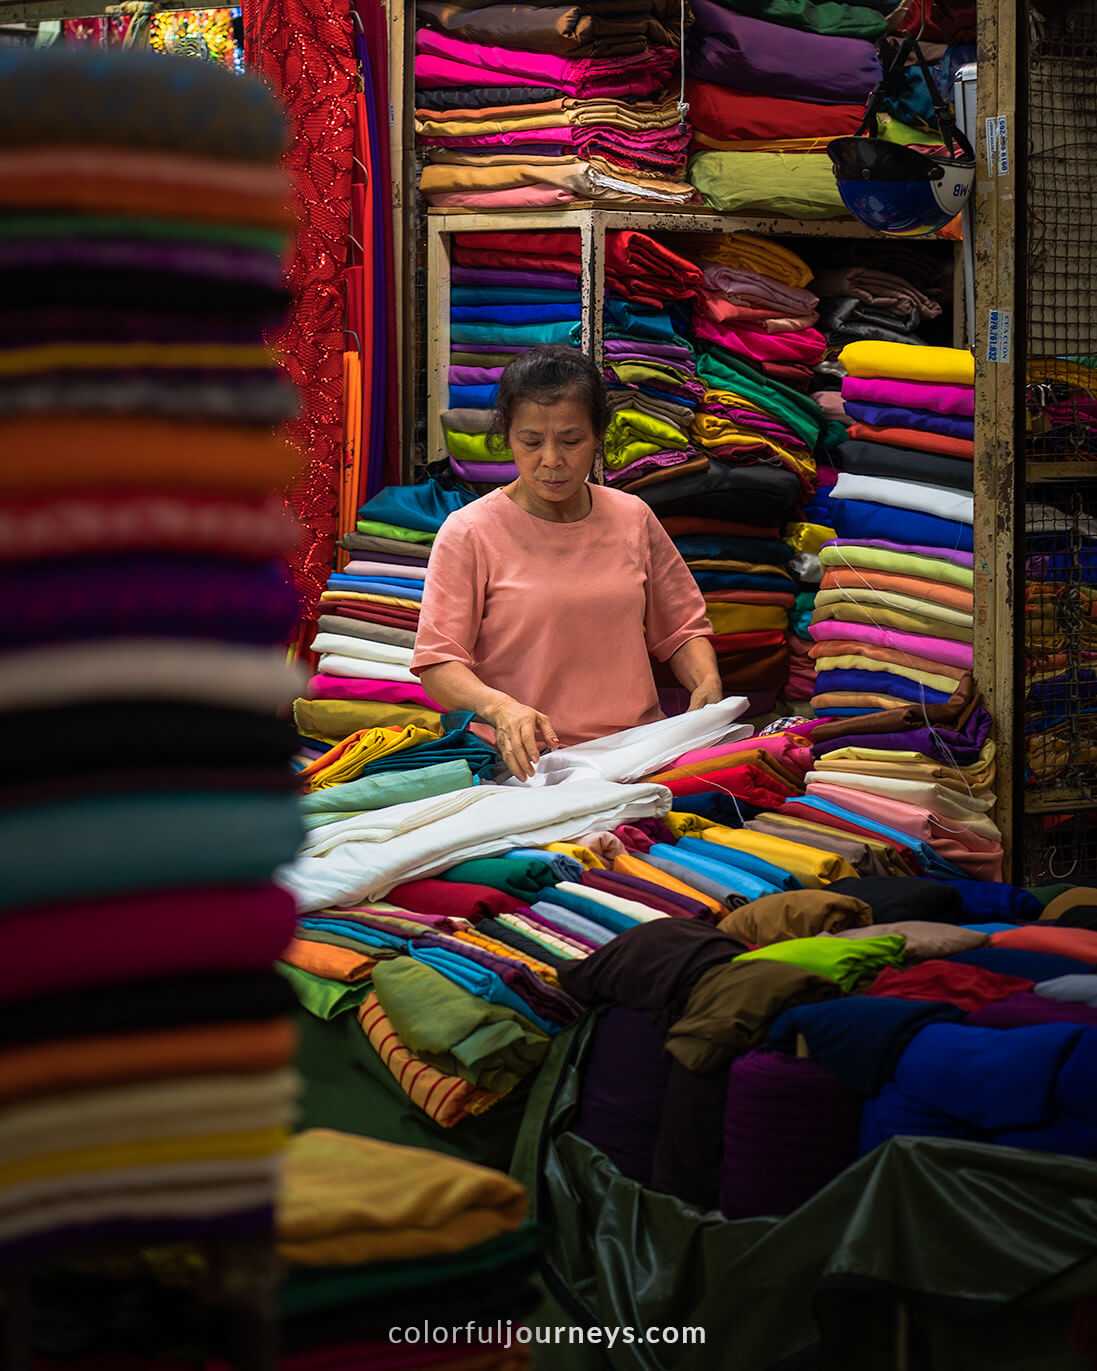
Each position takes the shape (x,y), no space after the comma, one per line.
(972,831)
(364,856)
(367,648)
(926,499)
(254,678)
(642,913)
(637,752)
(389,573)
(363,668)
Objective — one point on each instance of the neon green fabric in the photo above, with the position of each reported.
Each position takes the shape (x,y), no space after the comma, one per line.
(829,956)
(905,563)
(402,535)
(798,185)
(632,435)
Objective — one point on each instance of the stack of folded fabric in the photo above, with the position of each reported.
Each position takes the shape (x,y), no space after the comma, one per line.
(375,1236)
(770,85)
(145,1038)
(367,618)
(539,106)
(508,292)
(1060,645)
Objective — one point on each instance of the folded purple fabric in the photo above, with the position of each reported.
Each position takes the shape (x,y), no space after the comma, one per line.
(643,466)
(474,376)
(666,352)
(1025,1008)
(954,555)
(790,1127)
(733,50)
(633,887)
(485,473)
(946,745)
(490,276)
(921,420)
(941,399)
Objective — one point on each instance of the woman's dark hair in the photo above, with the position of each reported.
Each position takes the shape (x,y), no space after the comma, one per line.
(545,375)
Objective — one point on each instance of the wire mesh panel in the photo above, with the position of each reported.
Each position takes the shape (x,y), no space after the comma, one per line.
(1062,231)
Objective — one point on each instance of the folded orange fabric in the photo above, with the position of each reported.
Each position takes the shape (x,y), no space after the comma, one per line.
(69,1063)
(447,1099)
(326,959)
(839,647)
(544,972)
(124,180)
(937,592)
(913,438)
(629,866)
(52,451)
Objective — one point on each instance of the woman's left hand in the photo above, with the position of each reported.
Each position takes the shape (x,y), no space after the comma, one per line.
(708,693)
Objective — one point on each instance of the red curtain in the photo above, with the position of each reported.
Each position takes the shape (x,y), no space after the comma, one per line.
(304,50)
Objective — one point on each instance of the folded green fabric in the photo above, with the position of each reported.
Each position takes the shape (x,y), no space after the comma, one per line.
(403,535)
(323,997)
(526,879)
(115,843)
(722,370)
(474,447)
(632,434)
(798,185)
(454,1031)
(337,802)
(835,20)
(825,956)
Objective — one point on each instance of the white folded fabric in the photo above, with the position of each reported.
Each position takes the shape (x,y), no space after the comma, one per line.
(637,752)
(641,912)
(362,857)
(925,499)
(367,648)
(365,669)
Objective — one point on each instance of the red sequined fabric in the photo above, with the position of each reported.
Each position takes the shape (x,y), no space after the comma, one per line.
(304,50)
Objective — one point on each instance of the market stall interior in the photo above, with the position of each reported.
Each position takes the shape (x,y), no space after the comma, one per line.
(764,1010)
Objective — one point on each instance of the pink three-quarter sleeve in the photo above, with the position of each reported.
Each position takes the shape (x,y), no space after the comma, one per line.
(453,599)
(675,610)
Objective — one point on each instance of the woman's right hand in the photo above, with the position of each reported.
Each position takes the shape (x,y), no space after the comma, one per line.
(516,729)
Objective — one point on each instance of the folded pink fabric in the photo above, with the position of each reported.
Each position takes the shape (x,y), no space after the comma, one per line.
(806,346)
(935,649)
(518,197)
(444,61)
(120,938)
(747,287)
(324,687)
(938,399)
(400,573)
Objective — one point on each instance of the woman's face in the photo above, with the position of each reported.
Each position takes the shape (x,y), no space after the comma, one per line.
(554,447)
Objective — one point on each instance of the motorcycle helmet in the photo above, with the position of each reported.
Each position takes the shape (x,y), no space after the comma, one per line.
(892,188)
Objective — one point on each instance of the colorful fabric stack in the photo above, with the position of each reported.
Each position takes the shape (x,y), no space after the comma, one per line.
(770,84)
(373,1235)
(366,622)
(533,106)
(145,1044)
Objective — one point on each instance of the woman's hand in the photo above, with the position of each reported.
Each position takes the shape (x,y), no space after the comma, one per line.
(707,693)
(516,729)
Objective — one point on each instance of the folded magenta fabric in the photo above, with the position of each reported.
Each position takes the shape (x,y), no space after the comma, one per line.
(916,395)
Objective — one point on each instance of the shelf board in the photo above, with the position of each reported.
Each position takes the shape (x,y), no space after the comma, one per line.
(643,215)
(1060,471)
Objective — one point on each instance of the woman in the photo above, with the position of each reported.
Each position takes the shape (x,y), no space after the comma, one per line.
(545,598)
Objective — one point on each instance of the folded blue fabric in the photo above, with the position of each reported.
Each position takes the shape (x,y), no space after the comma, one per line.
(987,1078)
(734,879)
(588,909)
(347,928)
(715,805)
(530,313)
(740,861)
(480,980)
(423,507)
(568,922)
(988,929)
(882,682)
(1075,1091)
(860,1038)
(997,901)
(563,867)
(922,421)
(892,1113)
(1081,987)
(865,522)
(1068,1135)
(731,580)
(1019,961)
(511,295)
(377,585)
(515,335)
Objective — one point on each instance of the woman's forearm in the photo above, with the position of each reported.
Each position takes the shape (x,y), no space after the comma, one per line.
(455,686)
(694,664)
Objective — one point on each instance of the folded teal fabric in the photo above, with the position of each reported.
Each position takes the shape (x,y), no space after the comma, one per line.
(336,802)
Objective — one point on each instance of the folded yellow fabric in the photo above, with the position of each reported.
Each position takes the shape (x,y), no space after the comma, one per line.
(908,362)
(811,866)
(347,1200)
(749,252)
(726,617)
(330,721)
(344,762)
(589,859)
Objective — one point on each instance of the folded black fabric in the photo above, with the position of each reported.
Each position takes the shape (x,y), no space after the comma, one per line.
(894,898)
(905,464)
(142,1006)
(484,97)
(689,1153)
(492,928)
(77,287)
(748,495)
(107,736)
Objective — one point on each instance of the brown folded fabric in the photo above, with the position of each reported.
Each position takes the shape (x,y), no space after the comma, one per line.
(732,1007)
(854,699)
(563,31)
(365,542)
(794,914)
(953,713)
(925,941)
(665,474)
